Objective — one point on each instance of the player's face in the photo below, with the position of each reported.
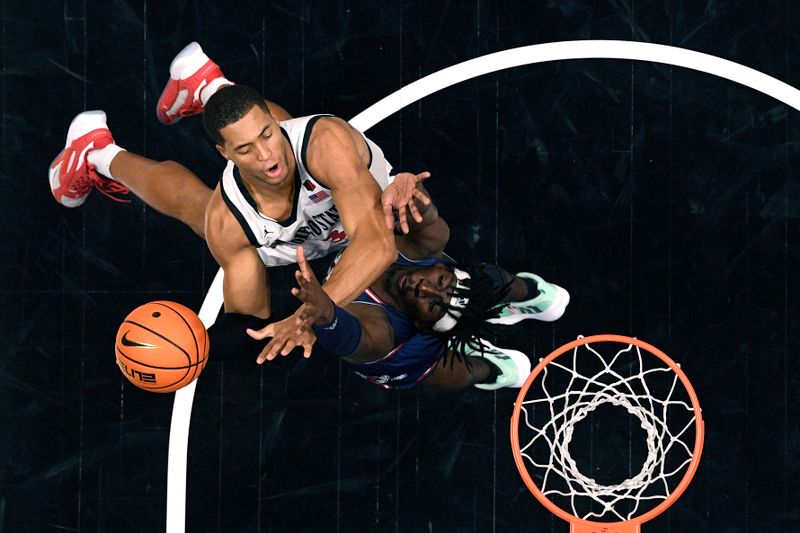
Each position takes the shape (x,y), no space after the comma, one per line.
(424,292)
(257,147)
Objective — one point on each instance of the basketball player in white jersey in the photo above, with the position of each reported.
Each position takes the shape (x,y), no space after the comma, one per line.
(314,180)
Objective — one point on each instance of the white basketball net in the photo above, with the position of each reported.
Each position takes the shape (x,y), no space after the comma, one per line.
(667,422)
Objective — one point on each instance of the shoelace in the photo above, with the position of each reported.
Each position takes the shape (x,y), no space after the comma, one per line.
(82,183)
(109,187)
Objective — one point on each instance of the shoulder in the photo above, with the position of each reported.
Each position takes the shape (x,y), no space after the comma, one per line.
(327,125)
(333,140)
(338,154)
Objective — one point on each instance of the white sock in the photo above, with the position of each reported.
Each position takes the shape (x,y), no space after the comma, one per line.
(209,90)
(101,159)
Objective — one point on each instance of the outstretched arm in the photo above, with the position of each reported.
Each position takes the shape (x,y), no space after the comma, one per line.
(359,333)
(337,159)
(245,287)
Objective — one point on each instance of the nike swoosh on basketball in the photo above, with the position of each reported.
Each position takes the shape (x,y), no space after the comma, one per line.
(127,342)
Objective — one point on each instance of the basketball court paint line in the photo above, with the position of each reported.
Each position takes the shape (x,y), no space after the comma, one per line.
(487,64)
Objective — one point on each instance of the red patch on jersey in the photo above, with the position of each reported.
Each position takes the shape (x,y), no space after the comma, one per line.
(308,185)
(337,236)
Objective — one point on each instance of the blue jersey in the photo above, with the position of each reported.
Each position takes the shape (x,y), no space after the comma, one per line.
(415,354)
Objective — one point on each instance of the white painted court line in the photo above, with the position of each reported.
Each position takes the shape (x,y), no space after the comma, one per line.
(179,426)
(515,57)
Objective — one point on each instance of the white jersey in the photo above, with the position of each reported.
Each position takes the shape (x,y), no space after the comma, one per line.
(314,221)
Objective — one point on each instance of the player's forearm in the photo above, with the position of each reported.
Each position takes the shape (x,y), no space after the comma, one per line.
(362,262)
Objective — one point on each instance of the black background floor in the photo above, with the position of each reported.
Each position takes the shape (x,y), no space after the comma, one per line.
(666,200)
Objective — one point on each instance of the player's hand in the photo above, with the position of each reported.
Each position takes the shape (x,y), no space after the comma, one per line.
(285,337)
(399,196)
(317,308)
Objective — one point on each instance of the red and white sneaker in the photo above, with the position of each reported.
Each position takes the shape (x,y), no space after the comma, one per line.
(190,72)
(71,175)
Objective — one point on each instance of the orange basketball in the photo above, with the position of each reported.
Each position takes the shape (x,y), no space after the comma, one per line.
(162,346)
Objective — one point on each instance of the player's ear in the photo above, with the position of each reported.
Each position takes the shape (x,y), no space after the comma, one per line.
(221,150)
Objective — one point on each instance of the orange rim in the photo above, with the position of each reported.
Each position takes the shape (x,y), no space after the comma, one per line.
(576,522)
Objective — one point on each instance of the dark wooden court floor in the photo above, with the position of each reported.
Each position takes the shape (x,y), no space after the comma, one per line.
(666,200)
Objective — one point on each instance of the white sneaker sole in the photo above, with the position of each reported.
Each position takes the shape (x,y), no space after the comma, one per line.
(552,313)
(187,62)
(520,360)
(85,122)
(82,124)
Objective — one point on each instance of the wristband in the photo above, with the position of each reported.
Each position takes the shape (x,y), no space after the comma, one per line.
(341,335)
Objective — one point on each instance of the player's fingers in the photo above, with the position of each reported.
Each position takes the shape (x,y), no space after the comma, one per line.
(301,260)
(307,349)
(422,176)
(299,294)
(403,219)
(303,264)
(422,197)
(268,353)
(288,347)
(262,333)
(302,281)
(388,213)
(274,348)
(306,285)
(415,211)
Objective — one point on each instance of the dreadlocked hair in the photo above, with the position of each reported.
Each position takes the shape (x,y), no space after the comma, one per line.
(484,303)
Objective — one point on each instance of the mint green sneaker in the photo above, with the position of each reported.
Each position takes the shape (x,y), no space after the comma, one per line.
(547,306)
(515,367)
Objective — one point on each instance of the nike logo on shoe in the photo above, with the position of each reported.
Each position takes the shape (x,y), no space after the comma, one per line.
(176,106)
(199,90)
(127,342)
(82,156)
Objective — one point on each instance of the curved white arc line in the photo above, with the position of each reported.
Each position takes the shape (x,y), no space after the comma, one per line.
(515,57)
(179,425)
(590,49)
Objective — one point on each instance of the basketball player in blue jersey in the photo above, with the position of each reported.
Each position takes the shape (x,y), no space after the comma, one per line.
(426,319)
(314,181)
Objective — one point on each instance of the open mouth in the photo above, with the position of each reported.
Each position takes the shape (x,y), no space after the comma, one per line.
(274,171)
